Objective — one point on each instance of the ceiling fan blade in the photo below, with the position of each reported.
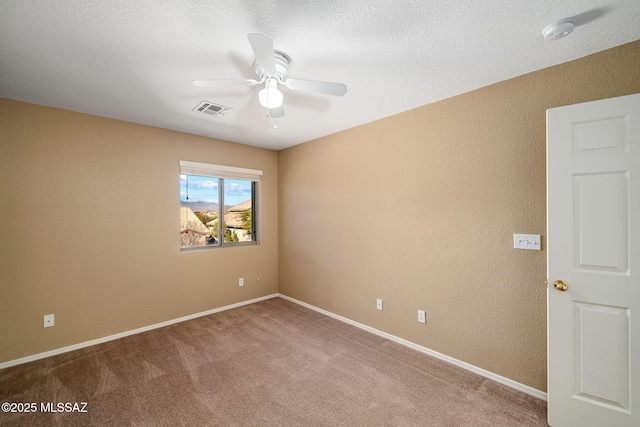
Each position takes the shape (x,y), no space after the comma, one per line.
(327,88)
(276,113)
(263,50)
(224,82)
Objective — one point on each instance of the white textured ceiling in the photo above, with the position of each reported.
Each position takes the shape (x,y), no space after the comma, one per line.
(135,60)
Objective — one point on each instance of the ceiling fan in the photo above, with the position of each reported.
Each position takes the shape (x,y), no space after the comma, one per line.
(272,67)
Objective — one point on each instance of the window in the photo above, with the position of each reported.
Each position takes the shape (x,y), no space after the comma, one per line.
(218,205)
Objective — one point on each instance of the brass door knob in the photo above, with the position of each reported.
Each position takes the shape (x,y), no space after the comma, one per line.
(560,285)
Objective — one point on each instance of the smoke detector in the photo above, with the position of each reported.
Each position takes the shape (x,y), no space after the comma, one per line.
(558,29)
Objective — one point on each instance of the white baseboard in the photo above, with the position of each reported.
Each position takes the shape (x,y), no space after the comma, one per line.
(497,378)
(490,375)
(127,333)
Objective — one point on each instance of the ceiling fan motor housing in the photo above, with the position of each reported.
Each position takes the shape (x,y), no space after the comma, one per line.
(282,61)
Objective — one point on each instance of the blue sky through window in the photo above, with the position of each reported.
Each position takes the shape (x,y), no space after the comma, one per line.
(205,189)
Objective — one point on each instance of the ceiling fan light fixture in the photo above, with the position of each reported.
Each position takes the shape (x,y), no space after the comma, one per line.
(272,66)
(558,29)
(270,96)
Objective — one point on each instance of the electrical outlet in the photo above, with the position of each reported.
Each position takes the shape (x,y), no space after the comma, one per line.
(241,282)
(422,318)
(48,320)
(379,304)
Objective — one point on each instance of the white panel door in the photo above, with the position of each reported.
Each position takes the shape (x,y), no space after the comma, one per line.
(593,249)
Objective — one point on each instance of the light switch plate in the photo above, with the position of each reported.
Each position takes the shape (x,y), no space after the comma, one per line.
(526,241)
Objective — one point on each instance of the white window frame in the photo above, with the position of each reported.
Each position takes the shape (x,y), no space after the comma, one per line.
(222,172)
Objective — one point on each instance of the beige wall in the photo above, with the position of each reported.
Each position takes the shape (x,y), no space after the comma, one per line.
(89,229)
(420,209)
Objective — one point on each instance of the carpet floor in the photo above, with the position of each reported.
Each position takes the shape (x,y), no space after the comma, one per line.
(272,363)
